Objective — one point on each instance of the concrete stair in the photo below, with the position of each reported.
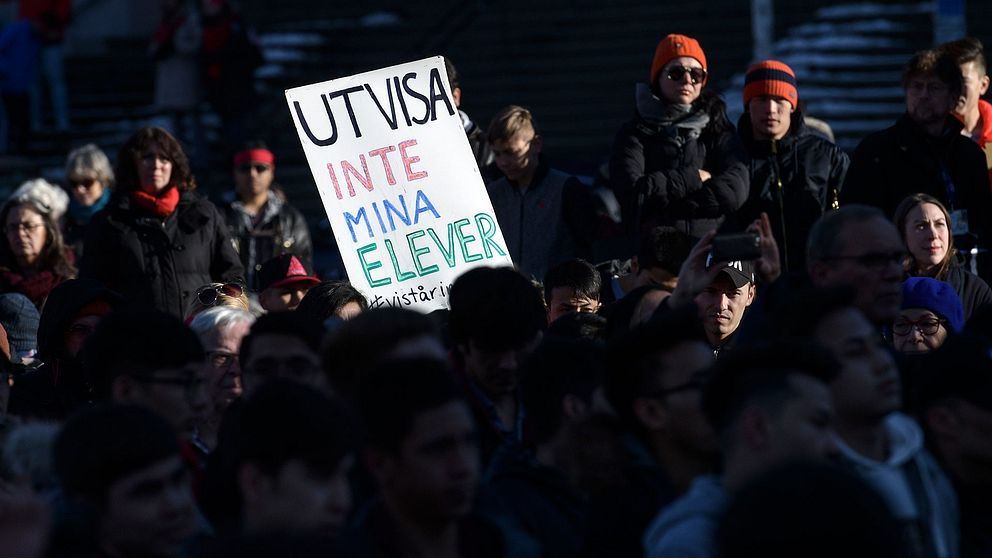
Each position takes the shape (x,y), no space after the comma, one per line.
(848,60)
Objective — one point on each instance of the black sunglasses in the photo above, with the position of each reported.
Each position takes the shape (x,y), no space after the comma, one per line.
(259,167)
(207,296)
(677,73)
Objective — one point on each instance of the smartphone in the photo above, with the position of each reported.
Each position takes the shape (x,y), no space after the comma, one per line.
(733,247)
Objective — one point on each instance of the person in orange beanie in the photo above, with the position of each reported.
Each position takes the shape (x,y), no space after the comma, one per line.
(678,161)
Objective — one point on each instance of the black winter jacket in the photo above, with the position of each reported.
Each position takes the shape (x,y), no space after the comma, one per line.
(973,291)
(793,180)
(281,229)
(159,263)
(655,175)
(902,160)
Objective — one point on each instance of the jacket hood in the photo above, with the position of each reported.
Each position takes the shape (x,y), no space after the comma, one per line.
(905,442)
(63,303)
(705,498)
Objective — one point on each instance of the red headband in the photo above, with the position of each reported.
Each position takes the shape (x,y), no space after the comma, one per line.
(255,156)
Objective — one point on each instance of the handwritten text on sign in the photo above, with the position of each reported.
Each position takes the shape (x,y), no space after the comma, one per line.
(398,181)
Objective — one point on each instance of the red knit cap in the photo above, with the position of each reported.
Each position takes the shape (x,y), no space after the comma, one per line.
(672,47)
(770,78)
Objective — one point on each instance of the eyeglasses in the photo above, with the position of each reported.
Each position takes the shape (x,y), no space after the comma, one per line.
(876,260)
(191,384)
(208,295)
(677,73)
(221,360)
(15,228)
(926,326)
(259,167)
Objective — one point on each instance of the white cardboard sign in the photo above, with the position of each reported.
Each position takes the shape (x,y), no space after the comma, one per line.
(398,181)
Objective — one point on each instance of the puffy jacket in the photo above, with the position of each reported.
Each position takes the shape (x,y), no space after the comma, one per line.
(793,180)
(902,160)
(281,229)
(654,168)
(159,263)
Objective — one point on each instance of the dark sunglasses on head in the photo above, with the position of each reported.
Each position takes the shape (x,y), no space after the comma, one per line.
(677,73)
(208,296)
(259,167)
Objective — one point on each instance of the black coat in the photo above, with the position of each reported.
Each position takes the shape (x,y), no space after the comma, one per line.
(973,291)
(160,263)
(657,182)
(902,160)
(793,180)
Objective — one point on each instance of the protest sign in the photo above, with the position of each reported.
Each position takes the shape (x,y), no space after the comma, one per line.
(398,181)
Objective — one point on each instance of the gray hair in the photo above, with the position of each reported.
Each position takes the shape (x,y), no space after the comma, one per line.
(824,236)
(45,197)
(219,318)
(89,162)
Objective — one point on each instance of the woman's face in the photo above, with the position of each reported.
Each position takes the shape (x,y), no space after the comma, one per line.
(927,235)
(154,169)
(26,235)
(675,82)
(918,330)
(86,191)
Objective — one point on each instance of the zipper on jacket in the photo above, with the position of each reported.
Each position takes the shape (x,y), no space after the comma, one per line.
(781,204)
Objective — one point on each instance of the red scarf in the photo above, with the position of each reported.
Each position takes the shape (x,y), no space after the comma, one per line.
(161,205)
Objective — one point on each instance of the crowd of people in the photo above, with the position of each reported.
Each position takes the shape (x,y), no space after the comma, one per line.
(792,357)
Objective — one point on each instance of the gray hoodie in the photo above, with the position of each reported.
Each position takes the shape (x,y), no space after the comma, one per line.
(919,494)
(686,528)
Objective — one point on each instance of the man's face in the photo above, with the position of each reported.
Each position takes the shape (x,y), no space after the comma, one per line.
(78,332)
(679,387)
(770,117)
(286,297)
(178,395)
(868,387)
(974,84)
(868,259)
(565,300)
(929,100)
(721,306)
(252,179)
(150,512)
(302,500)
(517,157)
(803,427)
(276,355)
(224,370)
(496,371)
(435,471)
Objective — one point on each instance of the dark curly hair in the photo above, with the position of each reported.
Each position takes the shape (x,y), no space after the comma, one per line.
(130,154)
(53,255)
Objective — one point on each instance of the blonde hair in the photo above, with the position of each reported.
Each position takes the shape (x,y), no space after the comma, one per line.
(195,306)
(89,162)
(509,122)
